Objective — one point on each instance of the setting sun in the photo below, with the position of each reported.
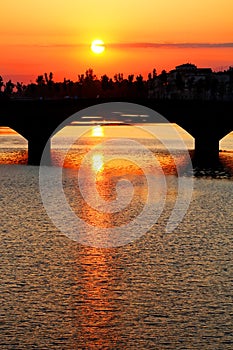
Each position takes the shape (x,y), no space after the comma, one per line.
(97,46)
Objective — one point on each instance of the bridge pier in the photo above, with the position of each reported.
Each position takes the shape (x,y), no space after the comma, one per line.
(36,146)
(206,149)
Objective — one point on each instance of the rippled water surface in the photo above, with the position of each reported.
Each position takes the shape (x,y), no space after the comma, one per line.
(162,291)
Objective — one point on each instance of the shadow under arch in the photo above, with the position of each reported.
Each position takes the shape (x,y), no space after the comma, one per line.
(13,146)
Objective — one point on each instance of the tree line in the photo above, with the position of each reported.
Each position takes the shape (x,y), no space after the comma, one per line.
(87,85)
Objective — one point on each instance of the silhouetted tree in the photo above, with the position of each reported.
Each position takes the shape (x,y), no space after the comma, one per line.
(105,82)
(9,88)
(1,83)
(46,78)
(163,77)
(119,77)
(139,84)
(40,80)
(89,75)
(81,78)
(65,84)
(19,87)
(111,84)
(49,79)
(31,90)
(50,76)
(154,73)
(130,79)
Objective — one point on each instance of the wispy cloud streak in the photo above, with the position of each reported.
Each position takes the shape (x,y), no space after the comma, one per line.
(145,45)
(140,45)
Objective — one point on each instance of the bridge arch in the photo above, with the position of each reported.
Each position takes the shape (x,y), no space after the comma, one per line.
(226,143)
(13,146)
(105,116)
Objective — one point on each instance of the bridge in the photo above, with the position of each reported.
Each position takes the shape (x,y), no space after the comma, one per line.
(36,120)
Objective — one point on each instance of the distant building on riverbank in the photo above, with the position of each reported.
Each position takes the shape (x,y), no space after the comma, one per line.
(187,81)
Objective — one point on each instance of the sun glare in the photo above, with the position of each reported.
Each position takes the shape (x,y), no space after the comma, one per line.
(97,46)
(97,162)
(97,131)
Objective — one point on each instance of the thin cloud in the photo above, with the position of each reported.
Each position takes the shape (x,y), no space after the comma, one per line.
(139,45)
(145,45)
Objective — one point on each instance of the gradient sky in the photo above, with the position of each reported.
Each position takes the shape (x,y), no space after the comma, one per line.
(55,35)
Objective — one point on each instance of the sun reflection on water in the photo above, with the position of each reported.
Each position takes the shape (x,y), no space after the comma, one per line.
(95,304)
(97,131)
(97,162)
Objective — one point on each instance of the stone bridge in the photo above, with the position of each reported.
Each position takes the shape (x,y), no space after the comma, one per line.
(36,120)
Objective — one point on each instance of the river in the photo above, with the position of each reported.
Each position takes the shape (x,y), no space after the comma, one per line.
(161,290)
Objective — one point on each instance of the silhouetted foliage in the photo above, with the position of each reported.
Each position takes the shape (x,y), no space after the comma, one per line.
(1,83)
(163,77)
(186,81)
(105,82)
(9,86)
(40,80)
(89,76)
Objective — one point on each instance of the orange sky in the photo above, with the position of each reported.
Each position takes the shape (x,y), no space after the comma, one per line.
(55,35)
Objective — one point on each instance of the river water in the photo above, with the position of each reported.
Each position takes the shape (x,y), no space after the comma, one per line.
(160,291)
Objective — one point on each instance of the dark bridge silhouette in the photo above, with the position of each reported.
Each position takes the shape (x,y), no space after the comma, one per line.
(207,121)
